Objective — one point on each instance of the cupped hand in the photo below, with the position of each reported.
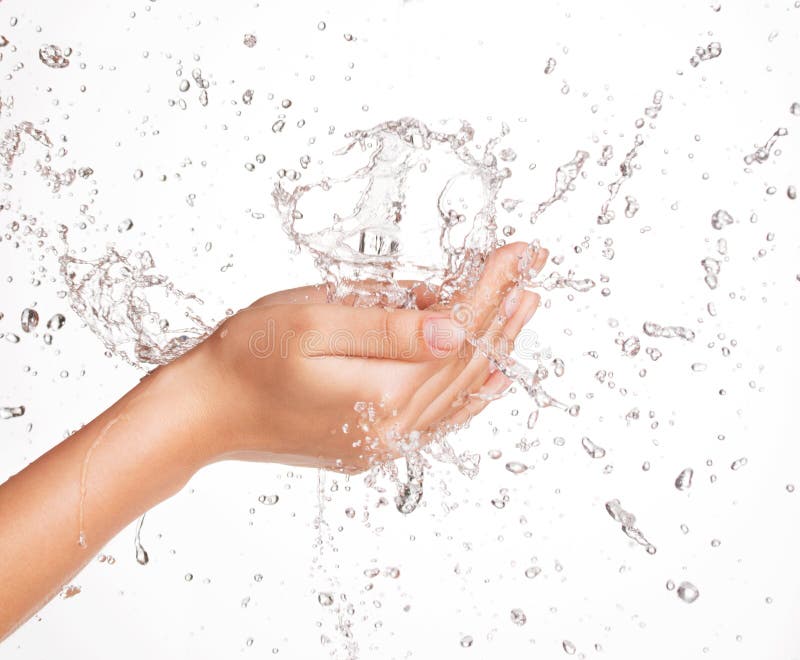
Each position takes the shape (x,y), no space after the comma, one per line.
(299,381)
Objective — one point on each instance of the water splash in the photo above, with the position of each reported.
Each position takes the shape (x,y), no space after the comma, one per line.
(141,554)
(606,214)
(713,50)
(628,522)
(128,305)
(363,249)
(762,154)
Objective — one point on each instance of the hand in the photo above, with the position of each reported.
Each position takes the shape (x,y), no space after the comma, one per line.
(295,380)
(233,397)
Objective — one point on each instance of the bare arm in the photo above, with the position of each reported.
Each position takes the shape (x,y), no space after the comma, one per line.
(276,382)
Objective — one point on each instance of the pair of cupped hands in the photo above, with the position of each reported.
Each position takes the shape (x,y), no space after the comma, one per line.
(296,380)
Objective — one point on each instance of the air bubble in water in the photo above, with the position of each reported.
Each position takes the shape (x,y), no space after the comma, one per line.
(569,647)
(325,599)
(550,65)
(268,499)
(250,40)
(532,571)
(466,641)
(277,127)
(687,592)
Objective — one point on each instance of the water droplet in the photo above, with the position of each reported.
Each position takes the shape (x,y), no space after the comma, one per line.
(29,319)
(687,592)
(714,49)
(739,463)
(592,449)
(684,480)
(53,57)
(516,468)
(7,412)
(720,219)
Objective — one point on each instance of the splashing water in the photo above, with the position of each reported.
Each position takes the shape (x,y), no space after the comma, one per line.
(383,220)
(116,296)
(628,522)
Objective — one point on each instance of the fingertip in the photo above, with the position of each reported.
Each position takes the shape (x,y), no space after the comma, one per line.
(442,335)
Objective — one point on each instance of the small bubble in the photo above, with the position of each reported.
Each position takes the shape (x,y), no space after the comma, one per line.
(321,26)
(250,40)
(325,599)
(268,499)
(532,571)
(569,647)
(466,641)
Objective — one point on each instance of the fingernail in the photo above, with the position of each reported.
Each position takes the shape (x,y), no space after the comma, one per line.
(443,335)
(511,303)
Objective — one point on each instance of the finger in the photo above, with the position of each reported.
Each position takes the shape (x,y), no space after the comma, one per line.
(436,398)
(501,273)
(375,332)
(491,391)
(315,293)
(420,295)
(502,336)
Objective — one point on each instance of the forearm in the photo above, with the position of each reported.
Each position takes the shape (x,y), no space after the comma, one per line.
(59,512)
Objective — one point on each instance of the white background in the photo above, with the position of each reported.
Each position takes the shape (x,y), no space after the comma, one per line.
(461,560)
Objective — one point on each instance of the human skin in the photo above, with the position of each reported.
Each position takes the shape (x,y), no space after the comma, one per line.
(231,397)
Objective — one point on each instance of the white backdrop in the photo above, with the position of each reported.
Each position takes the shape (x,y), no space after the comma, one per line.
(254,570)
